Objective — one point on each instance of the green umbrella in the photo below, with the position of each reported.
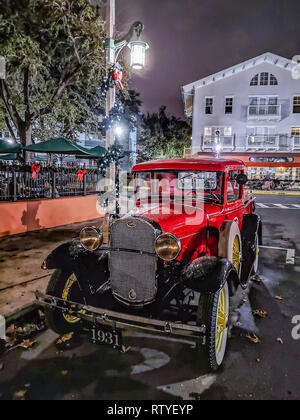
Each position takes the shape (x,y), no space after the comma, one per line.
(6,147)
(99,150)
(61,146)
(8,157)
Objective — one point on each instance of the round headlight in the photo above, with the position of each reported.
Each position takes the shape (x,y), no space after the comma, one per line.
(91,238)
(167,247)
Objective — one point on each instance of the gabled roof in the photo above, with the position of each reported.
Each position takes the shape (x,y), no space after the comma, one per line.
(284,63)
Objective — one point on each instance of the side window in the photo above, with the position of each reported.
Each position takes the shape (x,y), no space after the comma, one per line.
(209,106)
(296,107)
(233,188)
(228,105)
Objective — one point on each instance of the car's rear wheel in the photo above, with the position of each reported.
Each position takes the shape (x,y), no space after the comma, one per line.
(64,285)
(234,247)
(213,311)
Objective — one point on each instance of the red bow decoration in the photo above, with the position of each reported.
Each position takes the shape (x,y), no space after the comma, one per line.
(80,174)
(35,169)
(118,77)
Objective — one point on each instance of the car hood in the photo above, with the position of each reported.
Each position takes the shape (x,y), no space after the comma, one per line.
(176,219)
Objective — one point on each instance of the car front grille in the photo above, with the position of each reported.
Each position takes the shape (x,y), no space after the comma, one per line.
(133,274)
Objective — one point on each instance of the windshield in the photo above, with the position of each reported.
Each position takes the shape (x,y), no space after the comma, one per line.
(202,185)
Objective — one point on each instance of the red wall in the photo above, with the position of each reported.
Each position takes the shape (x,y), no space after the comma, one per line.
(26,216)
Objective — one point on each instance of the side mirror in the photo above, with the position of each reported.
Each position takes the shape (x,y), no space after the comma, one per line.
(242,179)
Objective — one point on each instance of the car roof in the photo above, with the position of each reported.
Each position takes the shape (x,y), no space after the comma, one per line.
(213,164)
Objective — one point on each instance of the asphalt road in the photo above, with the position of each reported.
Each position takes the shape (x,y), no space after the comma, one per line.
(159,369)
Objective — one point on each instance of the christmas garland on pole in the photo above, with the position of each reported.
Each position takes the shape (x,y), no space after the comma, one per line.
(113,154)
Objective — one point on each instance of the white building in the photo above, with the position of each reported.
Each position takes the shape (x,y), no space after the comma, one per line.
(253,111)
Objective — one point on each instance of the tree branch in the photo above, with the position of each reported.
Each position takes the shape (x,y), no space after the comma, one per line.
(26,91)
(65,80)
(11,109)
(6,119)
(76,52)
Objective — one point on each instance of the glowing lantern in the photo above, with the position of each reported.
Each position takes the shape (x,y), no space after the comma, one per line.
(138,54)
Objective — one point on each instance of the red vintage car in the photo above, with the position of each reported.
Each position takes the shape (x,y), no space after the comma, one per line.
(171,264)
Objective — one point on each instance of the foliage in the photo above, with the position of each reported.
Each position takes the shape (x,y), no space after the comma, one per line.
(125,112)
(163,136)
(55,63)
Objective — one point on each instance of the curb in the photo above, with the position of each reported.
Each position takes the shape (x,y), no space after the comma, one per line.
(276,192)
(19,313)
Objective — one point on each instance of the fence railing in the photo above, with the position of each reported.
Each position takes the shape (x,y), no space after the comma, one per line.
(264,111)
(17,184)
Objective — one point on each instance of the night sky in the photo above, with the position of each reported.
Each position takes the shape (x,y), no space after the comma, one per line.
(191,39)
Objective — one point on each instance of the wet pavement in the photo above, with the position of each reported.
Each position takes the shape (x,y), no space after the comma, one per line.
(21,257)
(159,369)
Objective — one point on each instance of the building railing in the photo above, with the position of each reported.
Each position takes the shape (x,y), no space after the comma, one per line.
(264,112)
(296,142)
(17,184)
(227,142)
(263,142)
(252,143)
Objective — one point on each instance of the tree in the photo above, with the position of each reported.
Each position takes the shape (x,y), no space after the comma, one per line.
(55,62)
(164,136)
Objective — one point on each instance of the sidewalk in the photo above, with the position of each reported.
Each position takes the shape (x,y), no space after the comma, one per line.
(21,257)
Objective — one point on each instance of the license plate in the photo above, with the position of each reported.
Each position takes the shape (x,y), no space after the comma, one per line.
(106,335)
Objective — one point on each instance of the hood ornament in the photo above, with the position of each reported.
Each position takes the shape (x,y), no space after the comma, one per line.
(132,295)
(131,224)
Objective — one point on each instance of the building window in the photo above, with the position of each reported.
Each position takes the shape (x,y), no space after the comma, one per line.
(228,105)
(207,135)
(254,81)
(264,79)
(273,80)
(227,131)
(295,131)
(296,107)
(262,137)
(209,105)
(208,131)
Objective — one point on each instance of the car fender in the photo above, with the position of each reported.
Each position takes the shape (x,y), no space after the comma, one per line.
(209,274)
(251,227)
(91,268)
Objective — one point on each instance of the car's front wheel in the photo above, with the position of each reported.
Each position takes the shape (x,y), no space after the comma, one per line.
(213,311)
(65,286)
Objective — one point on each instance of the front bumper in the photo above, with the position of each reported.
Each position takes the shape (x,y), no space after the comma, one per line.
(117,320)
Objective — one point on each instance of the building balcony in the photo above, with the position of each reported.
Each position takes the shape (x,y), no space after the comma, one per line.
(263,143)
(264,112)
(296,143)
(226,142)
(275,143)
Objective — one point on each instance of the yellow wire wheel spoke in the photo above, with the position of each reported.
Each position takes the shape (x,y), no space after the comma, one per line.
(65,296)
(221,320)
(236,254)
